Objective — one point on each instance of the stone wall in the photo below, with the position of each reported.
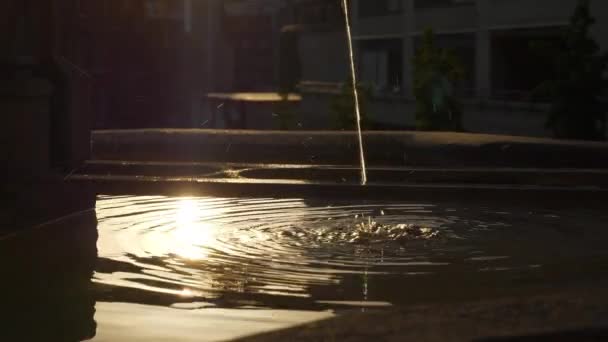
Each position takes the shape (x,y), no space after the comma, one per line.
(25,138)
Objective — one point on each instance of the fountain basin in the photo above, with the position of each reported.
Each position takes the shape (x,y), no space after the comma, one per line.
(498,266)
(420,247)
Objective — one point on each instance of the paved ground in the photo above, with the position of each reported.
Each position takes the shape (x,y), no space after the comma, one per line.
(580,315)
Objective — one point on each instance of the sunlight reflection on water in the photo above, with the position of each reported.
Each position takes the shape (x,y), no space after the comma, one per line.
(208,247)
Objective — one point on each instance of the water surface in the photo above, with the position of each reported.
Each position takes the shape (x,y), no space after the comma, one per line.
(206,268)
(308,253)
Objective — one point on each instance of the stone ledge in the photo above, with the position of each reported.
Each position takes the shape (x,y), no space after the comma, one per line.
(383,148)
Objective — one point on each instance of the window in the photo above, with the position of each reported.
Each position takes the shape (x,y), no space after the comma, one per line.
(381,65)
(516,67)
(374,8)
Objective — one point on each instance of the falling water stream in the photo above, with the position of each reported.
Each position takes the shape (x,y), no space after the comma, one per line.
(355,91)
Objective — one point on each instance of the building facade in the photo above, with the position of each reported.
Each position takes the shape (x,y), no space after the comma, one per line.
(492,38)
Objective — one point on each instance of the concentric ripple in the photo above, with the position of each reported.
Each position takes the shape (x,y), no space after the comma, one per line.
(339,252)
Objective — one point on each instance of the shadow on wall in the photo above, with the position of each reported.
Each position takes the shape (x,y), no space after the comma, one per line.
(46,281)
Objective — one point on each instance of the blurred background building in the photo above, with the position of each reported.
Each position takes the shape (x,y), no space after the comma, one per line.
(491,37)
(493,40)
(150,63)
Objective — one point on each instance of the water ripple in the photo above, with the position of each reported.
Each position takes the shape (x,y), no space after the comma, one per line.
(206,247)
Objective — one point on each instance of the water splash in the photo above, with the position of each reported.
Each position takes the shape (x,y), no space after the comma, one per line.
(355,91)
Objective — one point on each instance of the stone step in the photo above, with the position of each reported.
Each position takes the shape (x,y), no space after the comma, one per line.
(407,149)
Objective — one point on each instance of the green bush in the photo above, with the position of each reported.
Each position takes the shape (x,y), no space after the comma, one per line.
(435,72)
(342,107)
(575,93)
